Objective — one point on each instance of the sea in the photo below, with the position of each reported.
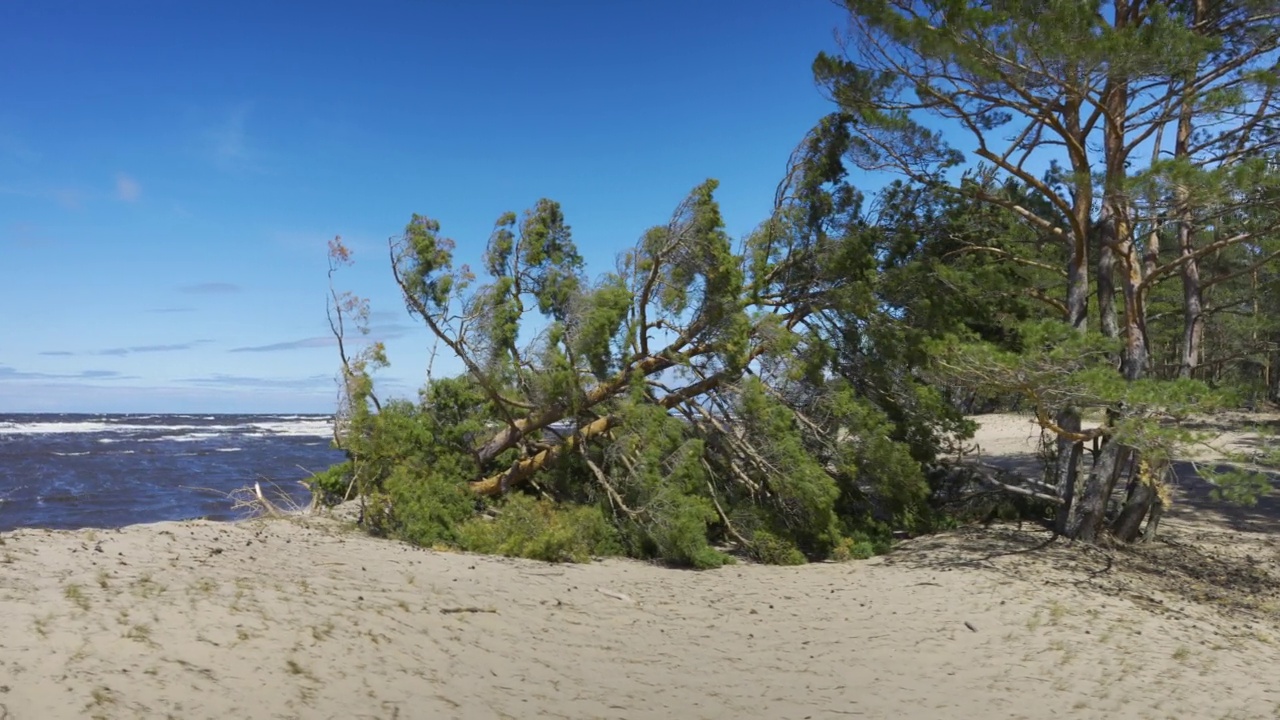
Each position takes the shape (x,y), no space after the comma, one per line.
(108,471)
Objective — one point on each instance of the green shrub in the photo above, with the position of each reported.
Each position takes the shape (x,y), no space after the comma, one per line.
(674,530)
(426,507)
(541,530)
(858,548)
(773,550)
(333,484)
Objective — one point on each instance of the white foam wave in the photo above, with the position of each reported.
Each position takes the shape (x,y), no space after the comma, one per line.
(313,427)
(70,454)
(230,449)
(188,437)
(301,427)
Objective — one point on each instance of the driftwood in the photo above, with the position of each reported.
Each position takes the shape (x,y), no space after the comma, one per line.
(991,475)
(614,595)
(266,505)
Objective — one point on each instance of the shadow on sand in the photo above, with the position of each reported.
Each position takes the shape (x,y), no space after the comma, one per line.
(1193,496)
(1200,554)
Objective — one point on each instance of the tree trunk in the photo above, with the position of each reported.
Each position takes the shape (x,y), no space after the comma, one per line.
(1090,517)
(1153,522)
(1136,354)
(1193,301)
(1106,232)
(1128,526)
(1067,470)
(1078,285)
(1192,311)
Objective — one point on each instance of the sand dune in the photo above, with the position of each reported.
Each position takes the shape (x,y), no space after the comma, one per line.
(307,619)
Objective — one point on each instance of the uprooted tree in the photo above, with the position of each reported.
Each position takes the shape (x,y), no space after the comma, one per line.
(699,394)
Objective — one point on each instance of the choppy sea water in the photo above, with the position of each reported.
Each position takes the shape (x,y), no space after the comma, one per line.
(104,471)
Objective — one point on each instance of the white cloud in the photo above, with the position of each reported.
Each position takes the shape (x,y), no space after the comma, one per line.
(127,189)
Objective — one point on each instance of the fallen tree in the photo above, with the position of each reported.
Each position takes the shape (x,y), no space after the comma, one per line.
(690,398)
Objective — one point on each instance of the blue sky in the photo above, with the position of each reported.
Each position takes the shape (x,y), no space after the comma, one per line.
(170,173)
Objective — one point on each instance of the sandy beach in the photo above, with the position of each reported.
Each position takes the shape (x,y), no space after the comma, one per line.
(308,618)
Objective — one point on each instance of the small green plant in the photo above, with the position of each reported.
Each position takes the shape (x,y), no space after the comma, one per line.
(145,587)
(41,625)
(1057,611)
(296,668)
(204,586)
(79,655)
(76,595)
(102,695)
(140,633)
(858,547)
(1181,654)
(322,631)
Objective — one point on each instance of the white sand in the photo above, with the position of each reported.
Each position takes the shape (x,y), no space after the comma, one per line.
(305,619)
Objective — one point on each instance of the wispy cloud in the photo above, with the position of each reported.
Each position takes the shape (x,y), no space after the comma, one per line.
(210,288)
(173,347)
(312,342)
(229,141)
(389,331)
(313,382)
(127,188)
(8,373)
(121,351)
(377,333)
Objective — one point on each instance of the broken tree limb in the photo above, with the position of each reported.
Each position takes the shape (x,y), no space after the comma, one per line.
(990,475)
